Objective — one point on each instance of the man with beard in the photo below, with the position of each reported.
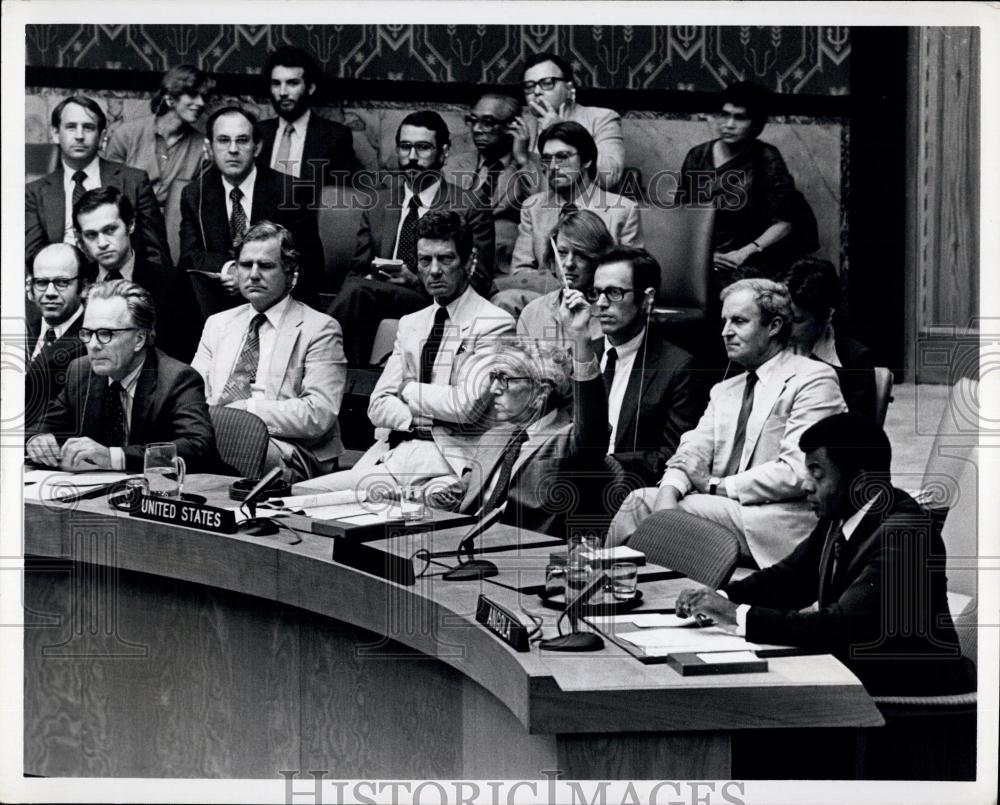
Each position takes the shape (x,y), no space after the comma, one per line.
(298,141)
(385,283)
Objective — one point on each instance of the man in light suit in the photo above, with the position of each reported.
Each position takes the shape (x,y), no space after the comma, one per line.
(419,409)
(387,232)
(277,358)
(741,466)
(77,125)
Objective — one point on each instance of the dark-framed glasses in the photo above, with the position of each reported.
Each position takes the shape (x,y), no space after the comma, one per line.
(61,283)
(545,83)
(487,122)
(502,379)
(104,334)
(559,157)
(423,148)
(612,292)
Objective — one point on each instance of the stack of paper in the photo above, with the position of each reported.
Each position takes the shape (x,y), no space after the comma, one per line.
(669,640)
(65,487)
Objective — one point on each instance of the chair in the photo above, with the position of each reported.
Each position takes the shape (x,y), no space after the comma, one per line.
(338,218)
(241,438)
(385,340)
(883,392)
(210,295)
(680,238)
(703,551)
(40,159)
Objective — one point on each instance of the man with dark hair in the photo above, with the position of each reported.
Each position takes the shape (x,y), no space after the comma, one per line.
(385,282)
(300,142)
(59,275)
(741,465)
(550,92)
(277,358)
(104,221)
(77,125)
(873,566)
(123,395)
(653,392)
(233,195)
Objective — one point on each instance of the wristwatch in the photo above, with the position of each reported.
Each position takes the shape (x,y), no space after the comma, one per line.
(713,485)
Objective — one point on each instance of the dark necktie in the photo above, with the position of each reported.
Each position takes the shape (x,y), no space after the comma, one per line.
(839,544)
(432,345)
(488,187)
(741,426)
(78,188)
(510,454)
(406,249)
(238,217)
(50,337)
(609,369)
(245,371)
(113,274)
(567,208)
(115,431)
(828,582)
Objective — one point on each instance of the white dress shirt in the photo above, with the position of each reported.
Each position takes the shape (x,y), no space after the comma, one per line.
(623,369)
(267,337)
(127,398)
(92,182)
(293,165)
(427,196)
(59,328)
(126,270)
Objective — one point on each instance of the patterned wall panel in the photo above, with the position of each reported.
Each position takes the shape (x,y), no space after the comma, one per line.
(788,59)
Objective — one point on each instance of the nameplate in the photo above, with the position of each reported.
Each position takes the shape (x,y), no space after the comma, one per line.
(192,515)
(502,623)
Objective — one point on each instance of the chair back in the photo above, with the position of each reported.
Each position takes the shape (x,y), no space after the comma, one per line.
(339,217)
(241,439)
(680,238)
(385,340)
(883,392)
(703,551)
(40,159)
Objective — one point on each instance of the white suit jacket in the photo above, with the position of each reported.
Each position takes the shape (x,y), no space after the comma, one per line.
(795,393)
(304,380)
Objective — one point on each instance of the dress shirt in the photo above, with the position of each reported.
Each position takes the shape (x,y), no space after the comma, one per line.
(246,187)
(294,163)
(59,328)
(267,335)
(92,182)
(427,196)
(126,270)
(616,395)
(825,349)
(127,397)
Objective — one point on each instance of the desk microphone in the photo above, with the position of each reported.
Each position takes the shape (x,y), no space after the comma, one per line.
(254,525)
(577,641)
(469,568)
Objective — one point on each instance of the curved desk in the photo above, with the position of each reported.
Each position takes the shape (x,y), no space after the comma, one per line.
(156,650)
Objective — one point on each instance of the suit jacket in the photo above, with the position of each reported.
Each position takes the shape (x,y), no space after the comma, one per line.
(304,379)
(45,212)
(769,482)
(327,154)
(884,612)
(46,374)
(651,422)
(169,406)
(205,241)
(379,222)
(605,126)
(474,321)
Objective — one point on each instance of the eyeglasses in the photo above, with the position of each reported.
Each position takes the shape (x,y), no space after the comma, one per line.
(241,142)
(487,122)
(559,157)
(424,149)
(613,293)
(61,283)
(104,334)
(502,379)
(545,83)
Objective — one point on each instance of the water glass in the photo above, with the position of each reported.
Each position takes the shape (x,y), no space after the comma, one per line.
(411,503)
(164,470)
(624,579)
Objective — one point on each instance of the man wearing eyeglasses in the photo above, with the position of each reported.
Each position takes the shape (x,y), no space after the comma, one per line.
(384,281)
(232,195)
(550,92)
(57,280)
(124,394)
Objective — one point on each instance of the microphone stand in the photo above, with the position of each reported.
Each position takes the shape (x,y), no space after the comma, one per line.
(469,568)
(577,641)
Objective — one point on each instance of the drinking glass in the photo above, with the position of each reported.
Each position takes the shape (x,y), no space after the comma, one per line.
(164,470)
(624,579)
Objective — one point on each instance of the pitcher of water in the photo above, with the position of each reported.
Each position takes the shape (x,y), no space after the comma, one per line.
(164,470)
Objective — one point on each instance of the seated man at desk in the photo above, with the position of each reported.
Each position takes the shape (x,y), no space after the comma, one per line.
(868,567)
(124,394)
(277,358)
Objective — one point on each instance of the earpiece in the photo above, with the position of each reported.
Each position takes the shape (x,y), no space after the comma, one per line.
(649,301)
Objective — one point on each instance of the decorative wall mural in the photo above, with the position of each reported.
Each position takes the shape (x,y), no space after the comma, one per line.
(788,59)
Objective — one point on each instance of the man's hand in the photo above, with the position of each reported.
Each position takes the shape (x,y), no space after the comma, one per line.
(574,313)
(547,115)
(82,453)
(227,278)
(666,498)
(44,449)
(405,277)
(705,606)
(518,129)
(695,469)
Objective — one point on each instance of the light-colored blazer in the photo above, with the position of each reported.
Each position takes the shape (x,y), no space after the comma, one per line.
(796,393)
(605,126)
(304,380)
(473,320)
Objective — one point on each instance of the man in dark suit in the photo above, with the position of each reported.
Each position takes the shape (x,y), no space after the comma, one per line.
(234,194)
(124,394)
(77,126)
(104,221)
(390,287)
(308,147)
(59,276)
(873,566)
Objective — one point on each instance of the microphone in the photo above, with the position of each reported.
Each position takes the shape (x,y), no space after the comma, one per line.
(469,568)
(254,525)
(578,641)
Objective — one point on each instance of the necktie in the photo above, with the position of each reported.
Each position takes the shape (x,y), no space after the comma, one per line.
(488,186)
(432,345)
(568,207)
(245,370)
(238,217)
(285,151)
(115,430)
(741,426)
(50,337)
(839,544)
(510,454)
(78,188)
(828,582)
(113,274)
(406,249)
(609,369)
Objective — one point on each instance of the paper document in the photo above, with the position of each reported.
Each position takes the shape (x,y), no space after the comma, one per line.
(55,485)
(349,496)
(646,620)
(728,656)
(670,640)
